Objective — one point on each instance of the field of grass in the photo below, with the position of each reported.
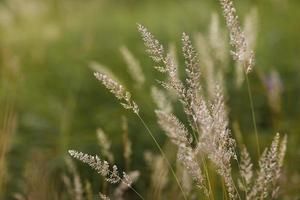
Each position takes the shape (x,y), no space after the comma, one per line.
(50,101)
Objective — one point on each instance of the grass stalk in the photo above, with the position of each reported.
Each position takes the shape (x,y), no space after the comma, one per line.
(163,154)
(253,113)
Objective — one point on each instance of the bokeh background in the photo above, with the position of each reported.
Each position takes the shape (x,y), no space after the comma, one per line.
(50,102)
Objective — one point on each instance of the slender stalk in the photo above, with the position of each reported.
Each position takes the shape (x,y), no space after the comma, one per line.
(237,192)
(137,193)
(253,113)
(163,154)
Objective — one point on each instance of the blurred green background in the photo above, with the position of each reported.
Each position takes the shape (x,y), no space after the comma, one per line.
(57,104)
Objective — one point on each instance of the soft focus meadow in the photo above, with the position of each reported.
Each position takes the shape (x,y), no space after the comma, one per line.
(51,102)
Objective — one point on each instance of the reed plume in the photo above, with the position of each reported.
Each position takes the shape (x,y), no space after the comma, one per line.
(133,66)
(241,51)
(102,167)
(119,91)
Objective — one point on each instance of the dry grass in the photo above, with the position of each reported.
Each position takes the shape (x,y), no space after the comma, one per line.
(206,140)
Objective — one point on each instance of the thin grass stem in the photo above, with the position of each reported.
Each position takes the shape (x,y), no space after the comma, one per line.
(164,155)
(253,113)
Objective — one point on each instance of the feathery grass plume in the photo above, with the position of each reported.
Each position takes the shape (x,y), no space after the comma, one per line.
(102,167)
(207,63)
(216,40)
(241,51)
(155,50)
(246,170)
(119,91)
(281,155)
(179,135)
(168,66)
(174,129)
(127,151)
(250,28)
(121,189)
(187,156)
(75,189)
(270,165)
(105,145)
(173,54)
(216,139)
(186,181)
(153,47)
(212,52)
(217,142)
(192,71)
(161,100)
(159,173)
(133,66)
(103,196)
(166,63)
(97,67)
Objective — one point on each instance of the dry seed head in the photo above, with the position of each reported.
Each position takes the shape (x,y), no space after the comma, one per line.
(186,155)
(103,69)
(157,165)
(153,47)
(133,66)
(207,63)
(102,167)
(174,129)
(119,91)
(250,27)
(270,165)
(127,151)
(246,170)
(192,64)
(241,51)
(216,40)
(105,145)
(161,100)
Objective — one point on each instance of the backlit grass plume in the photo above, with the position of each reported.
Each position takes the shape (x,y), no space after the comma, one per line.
(119,91)
(102,167)
(203,139)
(207,118)
(241,51)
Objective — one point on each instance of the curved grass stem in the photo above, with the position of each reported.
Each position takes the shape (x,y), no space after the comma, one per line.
(164,155)
(253,114)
